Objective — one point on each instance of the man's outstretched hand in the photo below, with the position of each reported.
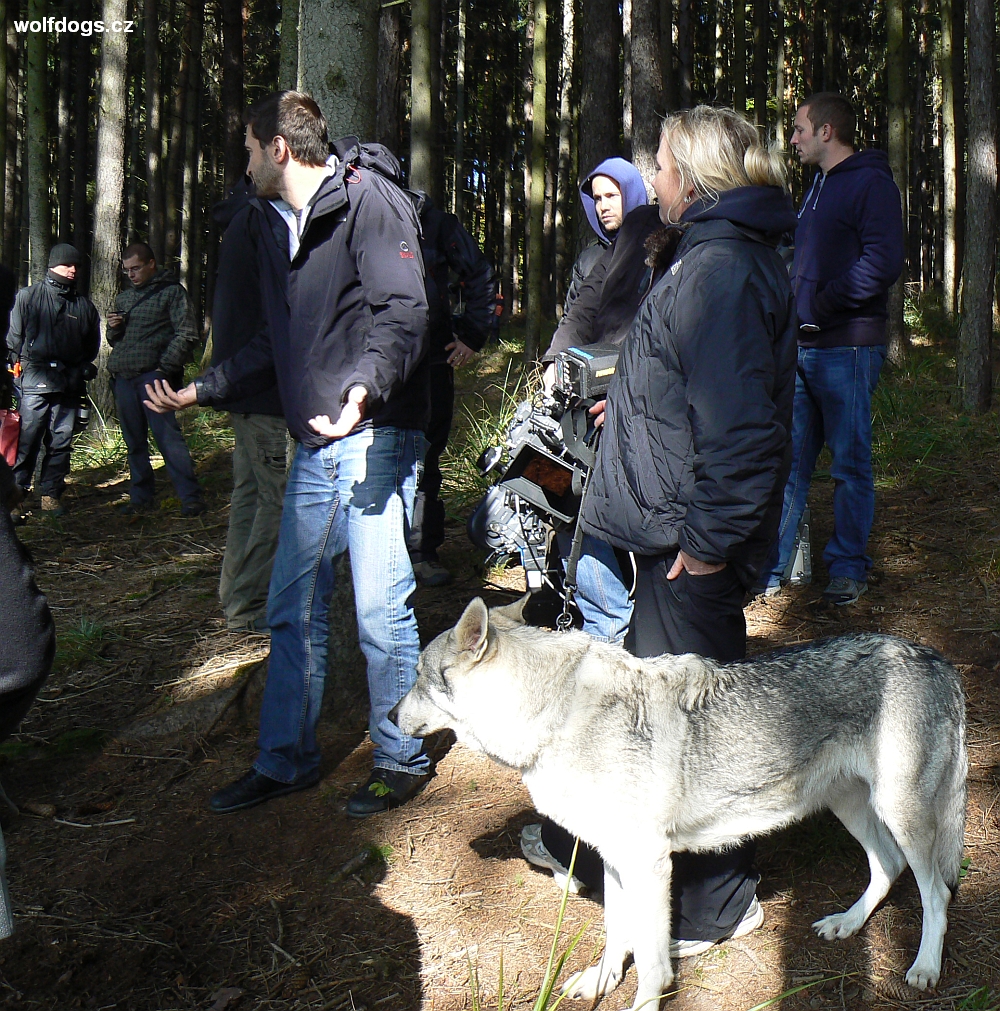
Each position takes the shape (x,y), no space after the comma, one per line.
(350,416)
(163,398)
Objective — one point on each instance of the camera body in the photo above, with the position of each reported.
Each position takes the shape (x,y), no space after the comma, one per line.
(550,451)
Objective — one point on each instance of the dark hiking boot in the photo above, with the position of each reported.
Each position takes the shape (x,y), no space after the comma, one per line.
(385,789)
(255,788)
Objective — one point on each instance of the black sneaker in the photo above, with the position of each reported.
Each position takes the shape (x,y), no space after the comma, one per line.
(193,508)
(844,590)
(385,789)
(134,508)
(254,788)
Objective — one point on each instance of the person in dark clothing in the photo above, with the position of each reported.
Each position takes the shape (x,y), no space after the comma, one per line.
(608,194)
(27,644)
(848,253)
(152,334)
(259,470)
(452,342)
(696,447)
(354,343)
(53,339)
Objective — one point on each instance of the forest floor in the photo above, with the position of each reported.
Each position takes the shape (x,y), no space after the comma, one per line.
(129,894)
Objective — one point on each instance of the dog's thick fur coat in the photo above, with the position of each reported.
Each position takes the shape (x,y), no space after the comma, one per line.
(641,758)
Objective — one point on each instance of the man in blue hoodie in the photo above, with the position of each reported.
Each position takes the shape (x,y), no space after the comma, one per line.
(848,253)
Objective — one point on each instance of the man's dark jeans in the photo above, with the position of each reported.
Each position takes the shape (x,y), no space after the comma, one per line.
(46,420)
(136,421)
(426,533)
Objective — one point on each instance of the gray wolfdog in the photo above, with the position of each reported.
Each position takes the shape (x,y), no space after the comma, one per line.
(641,758)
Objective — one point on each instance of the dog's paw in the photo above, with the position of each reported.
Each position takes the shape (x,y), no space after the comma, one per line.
(837,927)
(591,983)
(923,977)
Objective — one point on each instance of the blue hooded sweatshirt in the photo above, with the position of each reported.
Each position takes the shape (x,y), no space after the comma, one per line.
(848,253)
(629,182)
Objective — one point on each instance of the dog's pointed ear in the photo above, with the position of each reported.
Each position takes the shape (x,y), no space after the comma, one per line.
(472,630)
(513,612)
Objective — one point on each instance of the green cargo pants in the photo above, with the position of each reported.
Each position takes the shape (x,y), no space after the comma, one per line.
(254,517)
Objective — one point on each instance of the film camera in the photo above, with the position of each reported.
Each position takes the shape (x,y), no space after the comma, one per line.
(549,453)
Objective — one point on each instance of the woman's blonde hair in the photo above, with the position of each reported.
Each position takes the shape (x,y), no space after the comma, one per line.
(717,150)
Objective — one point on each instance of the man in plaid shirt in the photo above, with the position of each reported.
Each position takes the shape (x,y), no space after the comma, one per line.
(152,333)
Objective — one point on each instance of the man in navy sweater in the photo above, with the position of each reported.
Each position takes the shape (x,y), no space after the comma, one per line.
(848,253)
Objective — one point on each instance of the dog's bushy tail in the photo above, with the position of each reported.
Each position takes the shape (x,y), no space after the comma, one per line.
(949,841)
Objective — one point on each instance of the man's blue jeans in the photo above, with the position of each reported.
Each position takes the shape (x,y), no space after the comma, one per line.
(833,404)
(355,494)
(602,595)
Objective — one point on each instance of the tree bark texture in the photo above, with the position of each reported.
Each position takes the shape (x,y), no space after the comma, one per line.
(761,62)
(82,87)
(458,174)
(685,53)
(173,174)
(739,61)
(288,66)
(600,112)
(387,116)
(37,133)
(190,252)
(108,185)
(565,184)
(154,133)
(975,373)
(896,79)
(949,154)
(647,88)
(779,80)
(64,137)
(3,130)
(627,79)
(234,158)
(338,63)
(667,54)
(537,195)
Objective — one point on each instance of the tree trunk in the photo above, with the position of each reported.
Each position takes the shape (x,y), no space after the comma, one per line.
(288,65)
(422,99)
(647,93)
(387,117)
(600,111)
(234,158)
(190,276)
(81,154)
(761,49)
(108,184)
(667,54)
(338,63)
(533,326)
(949,153)
(4,95)
(685,47)
(37,132)
(975,373)
(779,80)
(740,55)
(154,130)
(64,178)
(627,79)
(175,151)
(458,172)
(565,185)
(719,31)
(896,75)
(508,252)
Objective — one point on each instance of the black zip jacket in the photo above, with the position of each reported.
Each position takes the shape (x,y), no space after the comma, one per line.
(54,332)
(696,445)
(609,297)
(357,309)
(446,245)
(27,635)
(237,307)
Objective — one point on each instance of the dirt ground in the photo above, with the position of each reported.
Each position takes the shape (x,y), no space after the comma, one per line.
(129,894)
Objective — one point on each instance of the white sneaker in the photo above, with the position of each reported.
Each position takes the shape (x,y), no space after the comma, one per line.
(752,919)
(535,853)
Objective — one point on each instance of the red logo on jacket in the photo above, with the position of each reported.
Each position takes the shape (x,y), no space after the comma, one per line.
(404,252)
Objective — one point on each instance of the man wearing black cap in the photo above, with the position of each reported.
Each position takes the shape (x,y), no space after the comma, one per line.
(52,341)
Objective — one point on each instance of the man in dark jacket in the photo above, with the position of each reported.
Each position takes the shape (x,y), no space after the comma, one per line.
(352,351)
(848,253)
(608,194)
(53,340)
(152,333)
(452,341)
(258,423)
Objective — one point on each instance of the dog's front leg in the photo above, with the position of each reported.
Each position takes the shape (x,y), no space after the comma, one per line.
(647,892)
(603,977)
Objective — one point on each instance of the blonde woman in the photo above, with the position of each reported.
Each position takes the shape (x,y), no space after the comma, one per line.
(696,446)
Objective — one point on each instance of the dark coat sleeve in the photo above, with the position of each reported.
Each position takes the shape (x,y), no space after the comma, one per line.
(726,352)
(249,371)
(881,261)
(386,248)
(27,635)
(92,334)
(474,327)
(15,330)
(577,324)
